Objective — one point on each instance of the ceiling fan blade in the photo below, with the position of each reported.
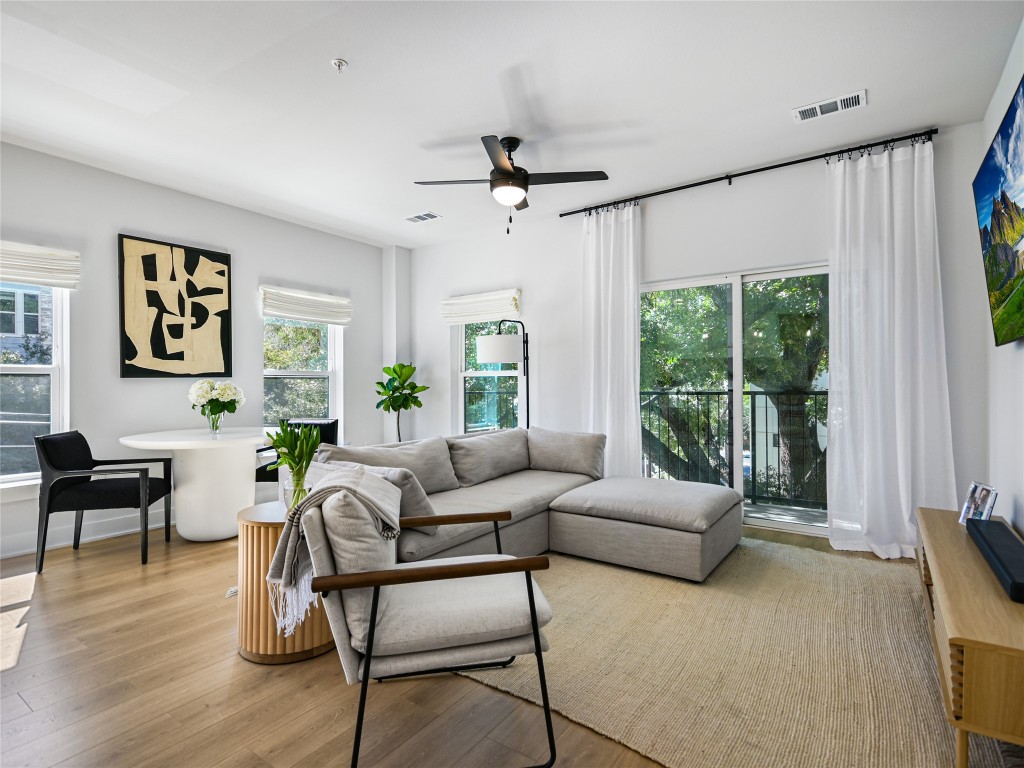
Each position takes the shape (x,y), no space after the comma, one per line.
(563,178)
(497,154)
(523,205)
(459,181)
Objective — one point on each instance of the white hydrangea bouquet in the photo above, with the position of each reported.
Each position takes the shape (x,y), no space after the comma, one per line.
(214,399)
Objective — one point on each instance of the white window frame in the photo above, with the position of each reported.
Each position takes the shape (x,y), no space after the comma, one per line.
(59,374)
(463,374)
(333,374)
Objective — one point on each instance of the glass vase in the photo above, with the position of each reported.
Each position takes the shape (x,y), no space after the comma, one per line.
(295,490)
(213,419)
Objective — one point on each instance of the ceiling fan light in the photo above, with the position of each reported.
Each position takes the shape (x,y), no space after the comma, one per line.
(508,192)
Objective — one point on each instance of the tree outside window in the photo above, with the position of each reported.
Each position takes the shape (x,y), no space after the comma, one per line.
(297,370)
(687,385)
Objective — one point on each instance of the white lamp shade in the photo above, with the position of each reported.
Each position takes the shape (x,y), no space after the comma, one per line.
(504,348)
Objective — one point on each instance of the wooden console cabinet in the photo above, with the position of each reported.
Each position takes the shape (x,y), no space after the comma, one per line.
(977,634)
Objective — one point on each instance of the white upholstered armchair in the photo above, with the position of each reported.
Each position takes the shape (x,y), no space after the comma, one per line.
(396,619)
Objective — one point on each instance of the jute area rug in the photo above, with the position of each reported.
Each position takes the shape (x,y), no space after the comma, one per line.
(784,658)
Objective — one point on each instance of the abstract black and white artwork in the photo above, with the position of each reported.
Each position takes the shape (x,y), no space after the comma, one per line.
(175,309)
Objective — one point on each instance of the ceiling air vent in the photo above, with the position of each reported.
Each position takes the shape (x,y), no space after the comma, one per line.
(425,216)
(830,106)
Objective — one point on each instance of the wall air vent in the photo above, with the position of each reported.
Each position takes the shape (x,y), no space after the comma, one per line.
(830,106)
(425,216)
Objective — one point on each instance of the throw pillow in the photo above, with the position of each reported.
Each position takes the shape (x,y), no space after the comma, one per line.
(427,459)
(414,500)
(356,543)
(578,452)
(479,458)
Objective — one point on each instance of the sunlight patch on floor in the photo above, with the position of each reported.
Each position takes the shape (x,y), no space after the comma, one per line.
(12,637)
(15,593)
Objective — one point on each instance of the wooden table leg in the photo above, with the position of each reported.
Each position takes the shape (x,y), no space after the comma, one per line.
(962,744)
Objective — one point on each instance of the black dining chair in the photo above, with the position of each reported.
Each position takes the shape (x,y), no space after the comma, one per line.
(67,466)
(328,434)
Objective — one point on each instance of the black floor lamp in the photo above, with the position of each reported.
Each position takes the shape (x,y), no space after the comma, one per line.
(505,348)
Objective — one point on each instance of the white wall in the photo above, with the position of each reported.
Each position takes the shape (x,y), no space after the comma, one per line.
(53,202)
(965,302)
(543,259)
(763,222)
(1005,363)
(397,326)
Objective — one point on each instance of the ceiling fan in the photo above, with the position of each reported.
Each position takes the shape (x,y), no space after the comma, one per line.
(509,182)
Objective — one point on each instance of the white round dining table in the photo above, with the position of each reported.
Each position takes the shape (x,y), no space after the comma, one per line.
(213,476)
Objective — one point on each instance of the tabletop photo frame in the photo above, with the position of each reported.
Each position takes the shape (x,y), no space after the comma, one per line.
(980,501)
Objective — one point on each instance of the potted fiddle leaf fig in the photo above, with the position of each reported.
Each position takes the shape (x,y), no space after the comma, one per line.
(399,393)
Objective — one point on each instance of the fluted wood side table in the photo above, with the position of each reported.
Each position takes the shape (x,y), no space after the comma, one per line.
(259,528)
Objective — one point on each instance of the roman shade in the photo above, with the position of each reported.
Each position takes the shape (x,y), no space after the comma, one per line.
(481,307)
(35,265)
(295,304)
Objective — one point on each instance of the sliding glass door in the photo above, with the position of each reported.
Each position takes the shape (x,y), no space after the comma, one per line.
(686,383)
(699,344)
(785,396)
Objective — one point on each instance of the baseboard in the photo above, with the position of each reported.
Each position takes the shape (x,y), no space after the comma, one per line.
(61,534)
(776,525)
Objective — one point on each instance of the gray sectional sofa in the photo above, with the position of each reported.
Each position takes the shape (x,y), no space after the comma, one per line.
(552,483)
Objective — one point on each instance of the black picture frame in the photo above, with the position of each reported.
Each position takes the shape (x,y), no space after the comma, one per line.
(175,309)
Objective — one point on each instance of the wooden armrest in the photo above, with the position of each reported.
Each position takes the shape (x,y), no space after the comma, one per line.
(472,517)
(325,584)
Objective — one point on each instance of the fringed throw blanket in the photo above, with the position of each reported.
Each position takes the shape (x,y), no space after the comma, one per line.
(291,571)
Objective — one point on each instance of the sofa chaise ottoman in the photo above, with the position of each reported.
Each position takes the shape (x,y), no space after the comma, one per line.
(666,526)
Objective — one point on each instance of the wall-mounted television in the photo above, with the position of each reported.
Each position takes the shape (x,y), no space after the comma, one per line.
(999,199)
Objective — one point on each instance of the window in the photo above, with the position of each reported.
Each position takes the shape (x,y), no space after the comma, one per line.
(764,337)
(19,309)
(32,393)
(299,371)
(490,391)
(8,311)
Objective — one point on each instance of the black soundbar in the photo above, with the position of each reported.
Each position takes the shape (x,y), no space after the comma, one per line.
(1004,552)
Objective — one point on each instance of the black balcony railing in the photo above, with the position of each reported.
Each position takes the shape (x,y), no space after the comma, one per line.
(787,451)
(687,436)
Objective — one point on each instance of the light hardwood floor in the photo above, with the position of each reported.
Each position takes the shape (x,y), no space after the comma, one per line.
(106,662)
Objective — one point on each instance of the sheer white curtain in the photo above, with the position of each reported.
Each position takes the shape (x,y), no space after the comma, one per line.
(612,242)
(889,443)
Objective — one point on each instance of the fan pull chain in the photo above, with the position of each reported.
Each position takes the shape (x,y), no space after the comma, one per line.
(508,229)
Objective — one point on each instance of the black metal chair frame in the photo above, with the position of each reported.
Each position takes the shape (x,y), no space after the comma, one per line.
(49,475)
(428,574)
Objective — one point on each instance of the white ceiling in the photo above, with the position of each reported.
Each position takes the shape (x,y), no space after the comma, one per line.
(238,101)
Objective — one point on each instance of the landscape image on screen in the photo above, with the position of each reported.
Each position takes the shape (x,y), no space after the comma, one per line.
(999,199)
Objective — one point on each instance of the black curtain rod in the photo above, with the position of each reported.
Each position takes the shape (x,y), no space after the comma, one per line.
(730,176)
